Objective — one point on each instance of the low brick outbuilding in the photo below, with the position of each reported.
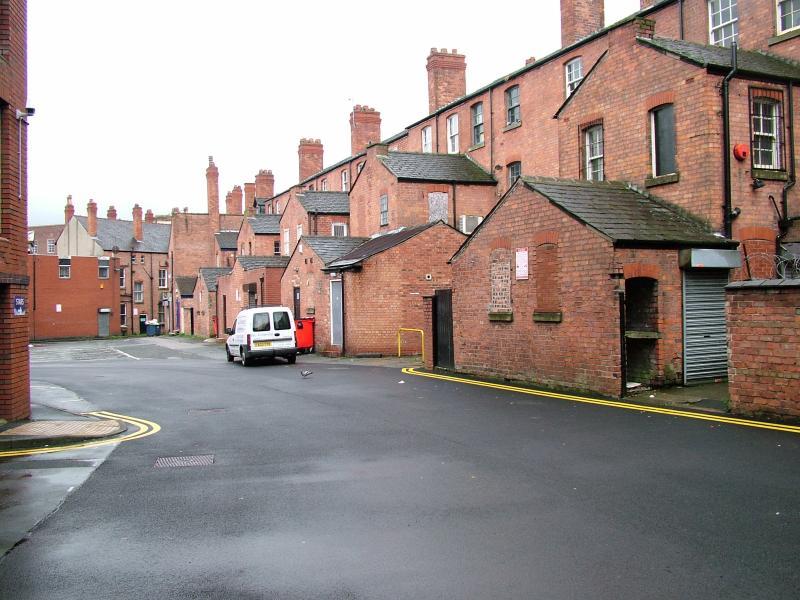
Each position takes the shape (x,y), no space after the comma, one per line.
(578,284)
(253,281)
(205,301)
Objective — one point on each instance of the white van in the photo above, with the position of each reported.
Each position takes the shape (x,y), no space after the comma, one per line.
(262,332)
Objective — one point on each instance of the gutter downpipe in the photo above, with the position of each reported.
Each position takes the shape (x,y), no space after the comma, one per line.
(785,220)
(680,18)
(726,134)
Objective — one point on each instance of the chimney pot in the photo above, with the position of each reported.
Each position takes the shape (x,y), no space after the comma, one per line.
(137,223)
(365,128)
(310,153)
(69,210)
(212,187)
(91,212)
(149,217)
(111,213)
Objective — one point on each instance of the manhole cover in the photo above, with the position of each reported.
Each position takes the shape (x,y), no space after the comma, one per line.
(184,461)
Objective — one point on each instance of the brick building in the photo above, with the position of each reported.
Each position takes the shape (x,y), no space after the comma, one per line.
(259,235)
(42,239)
(314,214)
(78,297)
(140,247)
(14,372)
(253,281)
(205,301)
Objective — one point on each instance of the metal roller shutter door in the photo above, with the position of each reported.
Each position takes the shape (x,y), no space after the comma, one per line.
(705,344)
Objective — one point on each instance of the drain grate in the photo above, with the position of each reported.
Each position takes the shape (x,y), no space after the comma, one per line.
(184,461)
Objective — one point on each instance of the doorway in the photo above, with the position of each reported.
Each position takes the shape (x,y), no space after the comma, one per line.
(443,329)
(337,314)
(296,297)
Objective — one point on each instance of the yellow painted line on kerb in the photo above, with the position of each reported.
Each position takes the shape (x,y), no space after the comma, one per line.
(144,428)
(612,403)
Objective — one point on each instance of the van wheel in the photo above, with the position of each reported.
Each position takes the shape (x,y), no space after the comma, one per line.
(228,354)
(291,359)
(246,360)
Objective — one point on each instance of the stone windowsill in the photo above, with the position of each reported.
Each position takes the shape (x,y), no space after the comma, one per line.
(642,335)
(769,174)
(661,180)
(476,147)
(512,126)
(783,37)
(544,316)
(502,317)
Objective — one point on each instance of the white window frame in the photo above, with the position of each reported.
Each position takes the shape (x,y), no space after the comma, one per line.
(759,119)
(35,248)
(573,74)
(323,186)
(513,111)
(299,232)
(51,246)
(342,226)
(345,181)
(476,118)
(594,153)
(123,314)
(384,206)
(513,178)
(138,294)
(64,268)
(122,277)
(286,239)
(717,33)
(427,142)
(452,134)
(103,267)
(162,281)
(794,13)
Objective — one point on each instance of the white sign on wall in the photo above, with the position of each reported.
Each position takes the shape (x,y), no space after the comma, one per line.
(522,263)
(58,308)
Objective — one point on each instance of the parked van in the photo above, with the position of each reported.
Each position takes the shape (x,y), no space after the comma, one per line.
(262,332)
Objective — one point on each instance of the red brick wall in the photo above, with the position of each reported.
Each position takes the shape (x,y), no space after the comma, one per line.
(579,18)
(304,271)
(80,297)
(387,293)
(14,370)
(583,350)
(446,77)
(764,338)
(236,280)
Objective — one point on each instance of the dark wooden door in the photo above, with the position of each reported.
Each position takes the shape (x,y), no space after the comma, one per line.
(297,303)
(443,329)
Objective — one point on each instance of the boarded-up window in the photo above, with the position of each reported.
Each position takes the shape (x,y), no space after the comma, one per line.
(437,207)
(500,277)
(547,287)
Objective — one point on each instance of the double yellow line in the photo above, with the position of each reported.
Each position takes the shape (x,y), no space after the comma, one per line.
(143,429)
(612,403)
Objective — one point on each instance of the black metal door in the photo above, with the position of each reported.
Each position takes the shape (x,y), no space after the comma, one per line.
(443,329)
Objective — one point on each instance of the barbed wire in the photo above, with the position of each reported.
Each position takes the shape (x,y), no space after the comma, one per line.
(763,265)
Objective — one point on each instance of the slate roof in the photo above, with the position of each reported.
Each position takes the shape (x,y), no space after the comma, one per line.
(625,215)
(331,248)
(265,224)
(226,240)
(376,245)
(718,58)
(328,203)
(256,262)
(449,168)
(212,274)
(119,233)
(186,285)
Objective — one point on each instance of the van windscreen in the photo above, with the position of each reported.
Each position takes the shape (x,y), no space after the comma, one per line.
(261,322)
(281,320)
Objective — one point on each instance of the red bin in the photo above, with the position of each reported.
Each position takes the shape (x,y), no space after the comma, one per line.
(305,334)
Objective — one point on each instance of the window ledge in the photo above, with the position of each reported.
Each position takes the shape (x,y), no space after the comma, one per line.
(783,37)
(661,180)
(642,335)
(476,147)
(543,316)
(512,126)
(770,174)
(503,317)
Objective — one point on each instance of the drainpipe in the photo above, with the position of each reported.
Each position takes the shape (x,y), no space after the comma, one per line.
(455,212)
(785,219)
(726,150)
(344,328)
(680,18)
(491,133)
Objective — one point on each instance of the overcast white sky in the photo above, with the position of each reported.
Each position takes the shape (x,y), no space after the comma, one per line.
(132,97)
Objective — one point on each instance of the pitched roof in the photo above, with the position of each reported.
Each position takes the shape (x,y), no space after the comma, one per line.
(265,224)
(331,248)
(624,214)
(376,245)
(212,274)
(718,58)
(450,168)
(226,240)
(186,285)
(331,203)
(119,233)
(256,262)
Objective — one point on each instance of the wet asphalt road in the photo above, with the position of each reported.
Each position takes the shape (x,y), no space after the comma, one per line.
(351,484)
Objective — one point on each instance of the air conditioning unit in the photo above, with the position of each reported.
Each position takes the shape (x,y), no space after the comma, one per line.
(468,223)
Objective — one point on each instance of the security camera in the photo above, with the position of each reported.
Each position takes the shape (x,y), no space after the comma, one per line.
(25,113)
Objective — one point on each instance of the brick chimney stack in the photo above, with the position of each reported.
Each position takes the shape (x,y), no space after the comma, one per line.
(265,181)
(233,201)
(138,232)
(579,18)
(69,210)
(310,153)
(249,197)
(447,77)
(365,128)
(91,211)
(646,4)
(212,183)
(149,217)
(111,213)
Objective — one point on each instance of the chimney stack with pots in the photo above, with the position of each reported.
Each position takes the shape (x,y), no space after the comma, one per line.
(580,18)
(91,212)
(212,185)
(111,213)
(69,210)
(310,154)
(138,231)
(365,128)
(447,77)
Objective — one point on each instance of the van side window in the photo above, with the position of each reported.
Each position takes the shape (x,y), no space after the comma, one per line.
(261,322)
(281,320)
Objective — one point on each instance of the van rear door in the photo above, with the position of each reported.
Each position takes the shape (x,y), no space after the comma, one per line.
(283,326)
